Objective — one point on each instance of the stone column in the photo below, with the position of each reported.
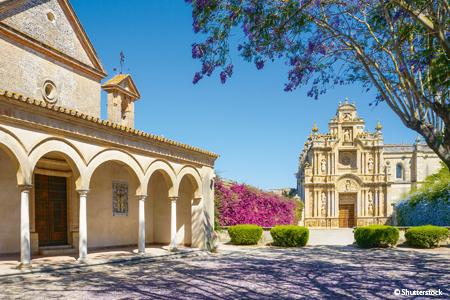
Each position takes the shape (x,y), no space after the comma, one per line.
(141,235)
(173,223)
(25,243)
(82,226)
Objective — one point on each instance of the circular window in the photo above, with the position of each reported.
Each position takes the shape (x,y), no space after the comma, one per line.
(49,91)
(51,16)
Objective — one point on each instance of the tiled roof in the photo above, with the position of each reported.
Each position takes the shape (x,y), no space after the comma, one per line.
(116,79)
(104,123)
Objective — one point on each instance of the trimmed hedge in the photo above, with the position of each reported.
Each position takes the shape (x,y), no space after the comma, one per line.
(376,236)
(289,235)
(246,234)
(427,236)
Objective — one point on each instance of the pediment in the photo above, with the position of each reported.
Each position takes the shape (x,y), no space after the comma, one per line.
(124,83)
(51,25)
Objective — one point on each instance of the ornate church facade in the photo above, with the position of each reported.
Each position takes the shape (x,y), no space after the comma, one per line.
(348,177)
(70,180)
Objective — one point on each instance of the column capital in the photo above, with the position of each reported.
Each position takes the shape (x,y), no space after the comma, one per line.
(142,197)
(83,192)
(174,199)
(25,187)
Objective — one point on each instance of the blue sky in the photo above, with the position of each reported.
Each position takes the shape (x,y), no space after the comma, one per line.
(256,127)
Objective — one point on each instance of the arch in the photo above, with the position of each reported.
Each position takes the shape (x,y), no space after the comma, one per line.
(168,173)
(399,171)
(65,149)
(14,149)
(117,156)
(352,176)
(194,176)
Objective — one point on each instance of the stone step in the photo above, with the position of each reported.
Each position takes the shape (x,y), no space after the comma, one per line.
(57,250)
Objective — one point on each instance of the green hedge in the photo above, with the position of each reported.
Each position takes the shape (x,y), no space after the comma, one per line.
(245,234)
(427,236)
(376,236)
(289,235)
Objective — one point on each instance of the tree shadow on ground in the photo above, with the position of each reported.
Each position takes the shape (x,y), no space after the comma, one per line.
(264,273)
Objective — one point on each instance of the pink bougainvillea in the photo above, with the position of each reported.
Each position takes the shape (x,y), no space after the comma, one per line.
(241,204)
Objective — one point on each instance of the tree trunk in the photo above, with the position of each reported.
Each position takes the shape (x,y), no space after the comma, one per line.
(440,145)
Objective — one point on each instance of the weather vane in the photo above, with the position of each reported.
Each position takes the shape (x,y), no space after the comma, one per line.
(122,62)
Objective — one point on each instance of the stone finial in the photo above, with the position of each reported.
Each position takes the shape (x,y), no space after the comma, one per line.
(315,129)
(378,127)
(417,140)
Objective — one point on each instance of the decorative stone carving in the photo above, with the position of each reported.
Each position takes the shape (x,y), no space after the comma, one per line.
(347,134)
(347,116)
(120,198)
(370,203)
(323,165)
(348,185)
(323,207)
(370,164)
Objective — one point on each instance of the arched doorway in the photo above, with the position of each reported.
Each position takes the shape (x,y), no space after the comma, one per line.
(189,226)
(54,200)
(158,210)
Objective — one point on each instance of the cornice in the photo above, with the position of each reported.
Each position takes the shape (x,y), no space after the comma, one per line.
(62,112)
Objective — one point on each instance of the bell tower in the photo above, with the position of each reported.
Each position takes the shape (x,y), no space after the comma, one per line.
(122,93)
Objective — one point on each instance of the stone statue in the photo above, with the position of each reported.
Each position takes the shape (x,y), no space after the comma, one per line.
(347,185)
(323,166)
(370,203)
(324,204)
(370,164)
(346,135)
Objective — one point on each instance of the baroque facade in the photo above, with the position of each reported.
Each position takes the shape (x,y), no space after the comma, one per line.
(349,177)
(69,179)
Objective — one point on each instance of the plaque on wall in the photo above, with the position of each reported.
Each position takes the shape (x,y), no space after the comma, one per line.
(120,198)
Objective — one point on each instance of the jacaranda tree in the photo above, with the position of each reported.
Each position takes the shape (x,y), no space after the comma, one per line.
(400,48)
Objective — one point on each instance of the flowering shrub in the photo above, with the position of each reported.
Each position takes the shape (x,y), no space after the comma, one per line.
(240,204)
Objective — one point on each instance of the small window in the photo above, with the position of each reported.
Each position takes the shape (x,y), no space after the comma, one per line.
(51,16)
(49,91)
(399,171)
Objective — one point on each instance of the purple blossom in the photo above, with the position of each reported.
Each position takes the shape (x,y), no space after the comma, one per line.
(259,64)
(197,51)
(223,77)
(196,26)
(196,78)
(241,204)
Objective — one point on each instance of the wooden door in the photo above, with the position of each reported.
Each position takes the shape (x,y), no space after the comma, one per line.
(346,215)
(51,209)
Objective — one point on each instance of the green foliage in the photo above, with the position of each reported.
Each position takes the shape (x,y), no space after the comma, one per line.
(289,235)
(376,236)
(246,234)
(435,186)
(427,236)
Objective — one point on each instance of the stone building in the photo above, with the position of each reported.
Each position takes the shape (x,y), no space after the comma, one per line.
(69,179)
(349,177)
